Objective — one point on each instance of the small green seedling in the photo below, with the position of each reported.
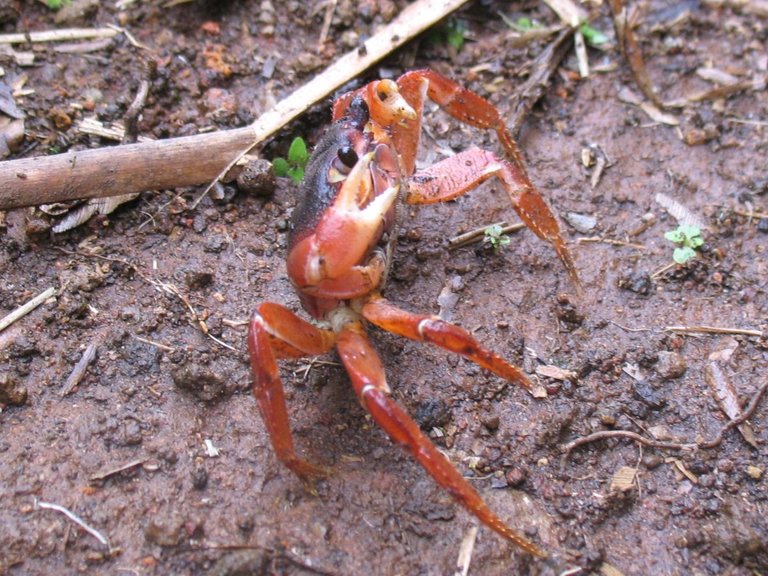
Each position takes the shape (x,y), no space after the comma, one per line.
(56,4)
(494,235)
(456,33)
(689,238)
(294,165)
(593,36)
(522,24)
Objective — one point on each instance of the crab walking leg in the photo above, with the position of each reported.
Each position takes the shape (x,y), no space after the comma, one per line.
(465,171)
(386,316)
(367,375)
(464,105)
(276,332)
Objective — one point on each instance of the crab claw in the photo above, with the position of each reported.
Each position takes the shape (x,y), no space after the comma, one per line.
(348,230)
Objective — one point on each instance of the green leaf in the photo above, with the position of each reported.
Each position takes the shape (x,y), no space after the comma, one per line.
(54,4)
(297,174)
(281,167)
(524,24)
(695,242)
(682,255)
(689,231)
(297,153)
(675,236)
(592,35)
(456,33)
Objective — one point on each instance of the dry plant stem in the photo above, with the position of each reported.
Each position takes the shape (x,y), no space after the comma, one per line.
(195,160)
(160,286)
(100,476)
(631,50)
(63,35)
(118,170)
(79,370)
(713,443)
(76,519)
(131,118)
(752,214)
(479,233)
(465,552)
(713,330)
(543,68)
(26,308)
(612,242)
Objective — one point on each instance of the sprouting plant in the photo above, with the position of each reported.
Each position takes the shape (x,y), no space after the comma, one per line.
(689,239)
(494,235)
(456,33)
(294,165)
(56,4)
(522,24)
(593,36)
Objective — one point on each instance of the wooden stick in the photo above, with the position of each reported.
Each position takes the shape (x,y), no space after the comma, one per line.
(79,370)
(26,308)
(63,35)
(713,330)
(197,159)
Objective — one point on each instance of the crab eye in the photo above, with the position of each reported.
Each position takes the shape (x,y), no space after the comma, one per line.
(348,156)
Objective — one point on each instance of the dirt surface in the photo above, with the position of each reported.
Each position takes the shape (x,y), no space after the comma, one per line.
(160,447)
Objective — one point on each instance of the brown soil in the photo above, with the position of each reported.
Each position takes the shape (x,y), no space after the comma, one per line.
(159,389)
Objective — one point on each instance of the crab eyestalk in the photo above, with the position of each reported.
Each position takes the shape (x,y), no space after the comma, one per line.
(387,105)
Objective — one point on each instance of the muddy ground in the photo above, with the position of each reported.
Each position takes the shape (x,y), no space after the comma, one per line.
(160,447)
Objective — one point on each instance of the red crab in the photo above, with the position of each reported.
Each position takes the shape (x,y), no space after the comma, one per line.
(344,229)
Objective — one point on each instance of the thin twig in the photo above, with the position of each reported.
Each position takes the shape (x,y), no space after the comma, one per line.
(628,329)
(479,233)
(101,476)
(601,240)
(713,330)
(663,269)
(77,520)
(155,344)
(329,10)
(63,35)
(161,286)
(131,118)
(79,370)
(26,308)
(751,213)
(713,443)
(465,552)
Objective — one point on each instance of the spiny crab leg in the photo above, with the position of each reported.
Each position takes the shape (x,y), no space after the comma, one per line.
(464,171)
(367,375)
(448,336)
(276,332)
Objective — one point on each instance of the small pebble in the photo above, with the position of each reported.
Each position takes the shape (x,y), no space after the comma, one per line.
(11,392)
(490,421)
(754,472)
(257,178)
(516,477)
(671,365)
